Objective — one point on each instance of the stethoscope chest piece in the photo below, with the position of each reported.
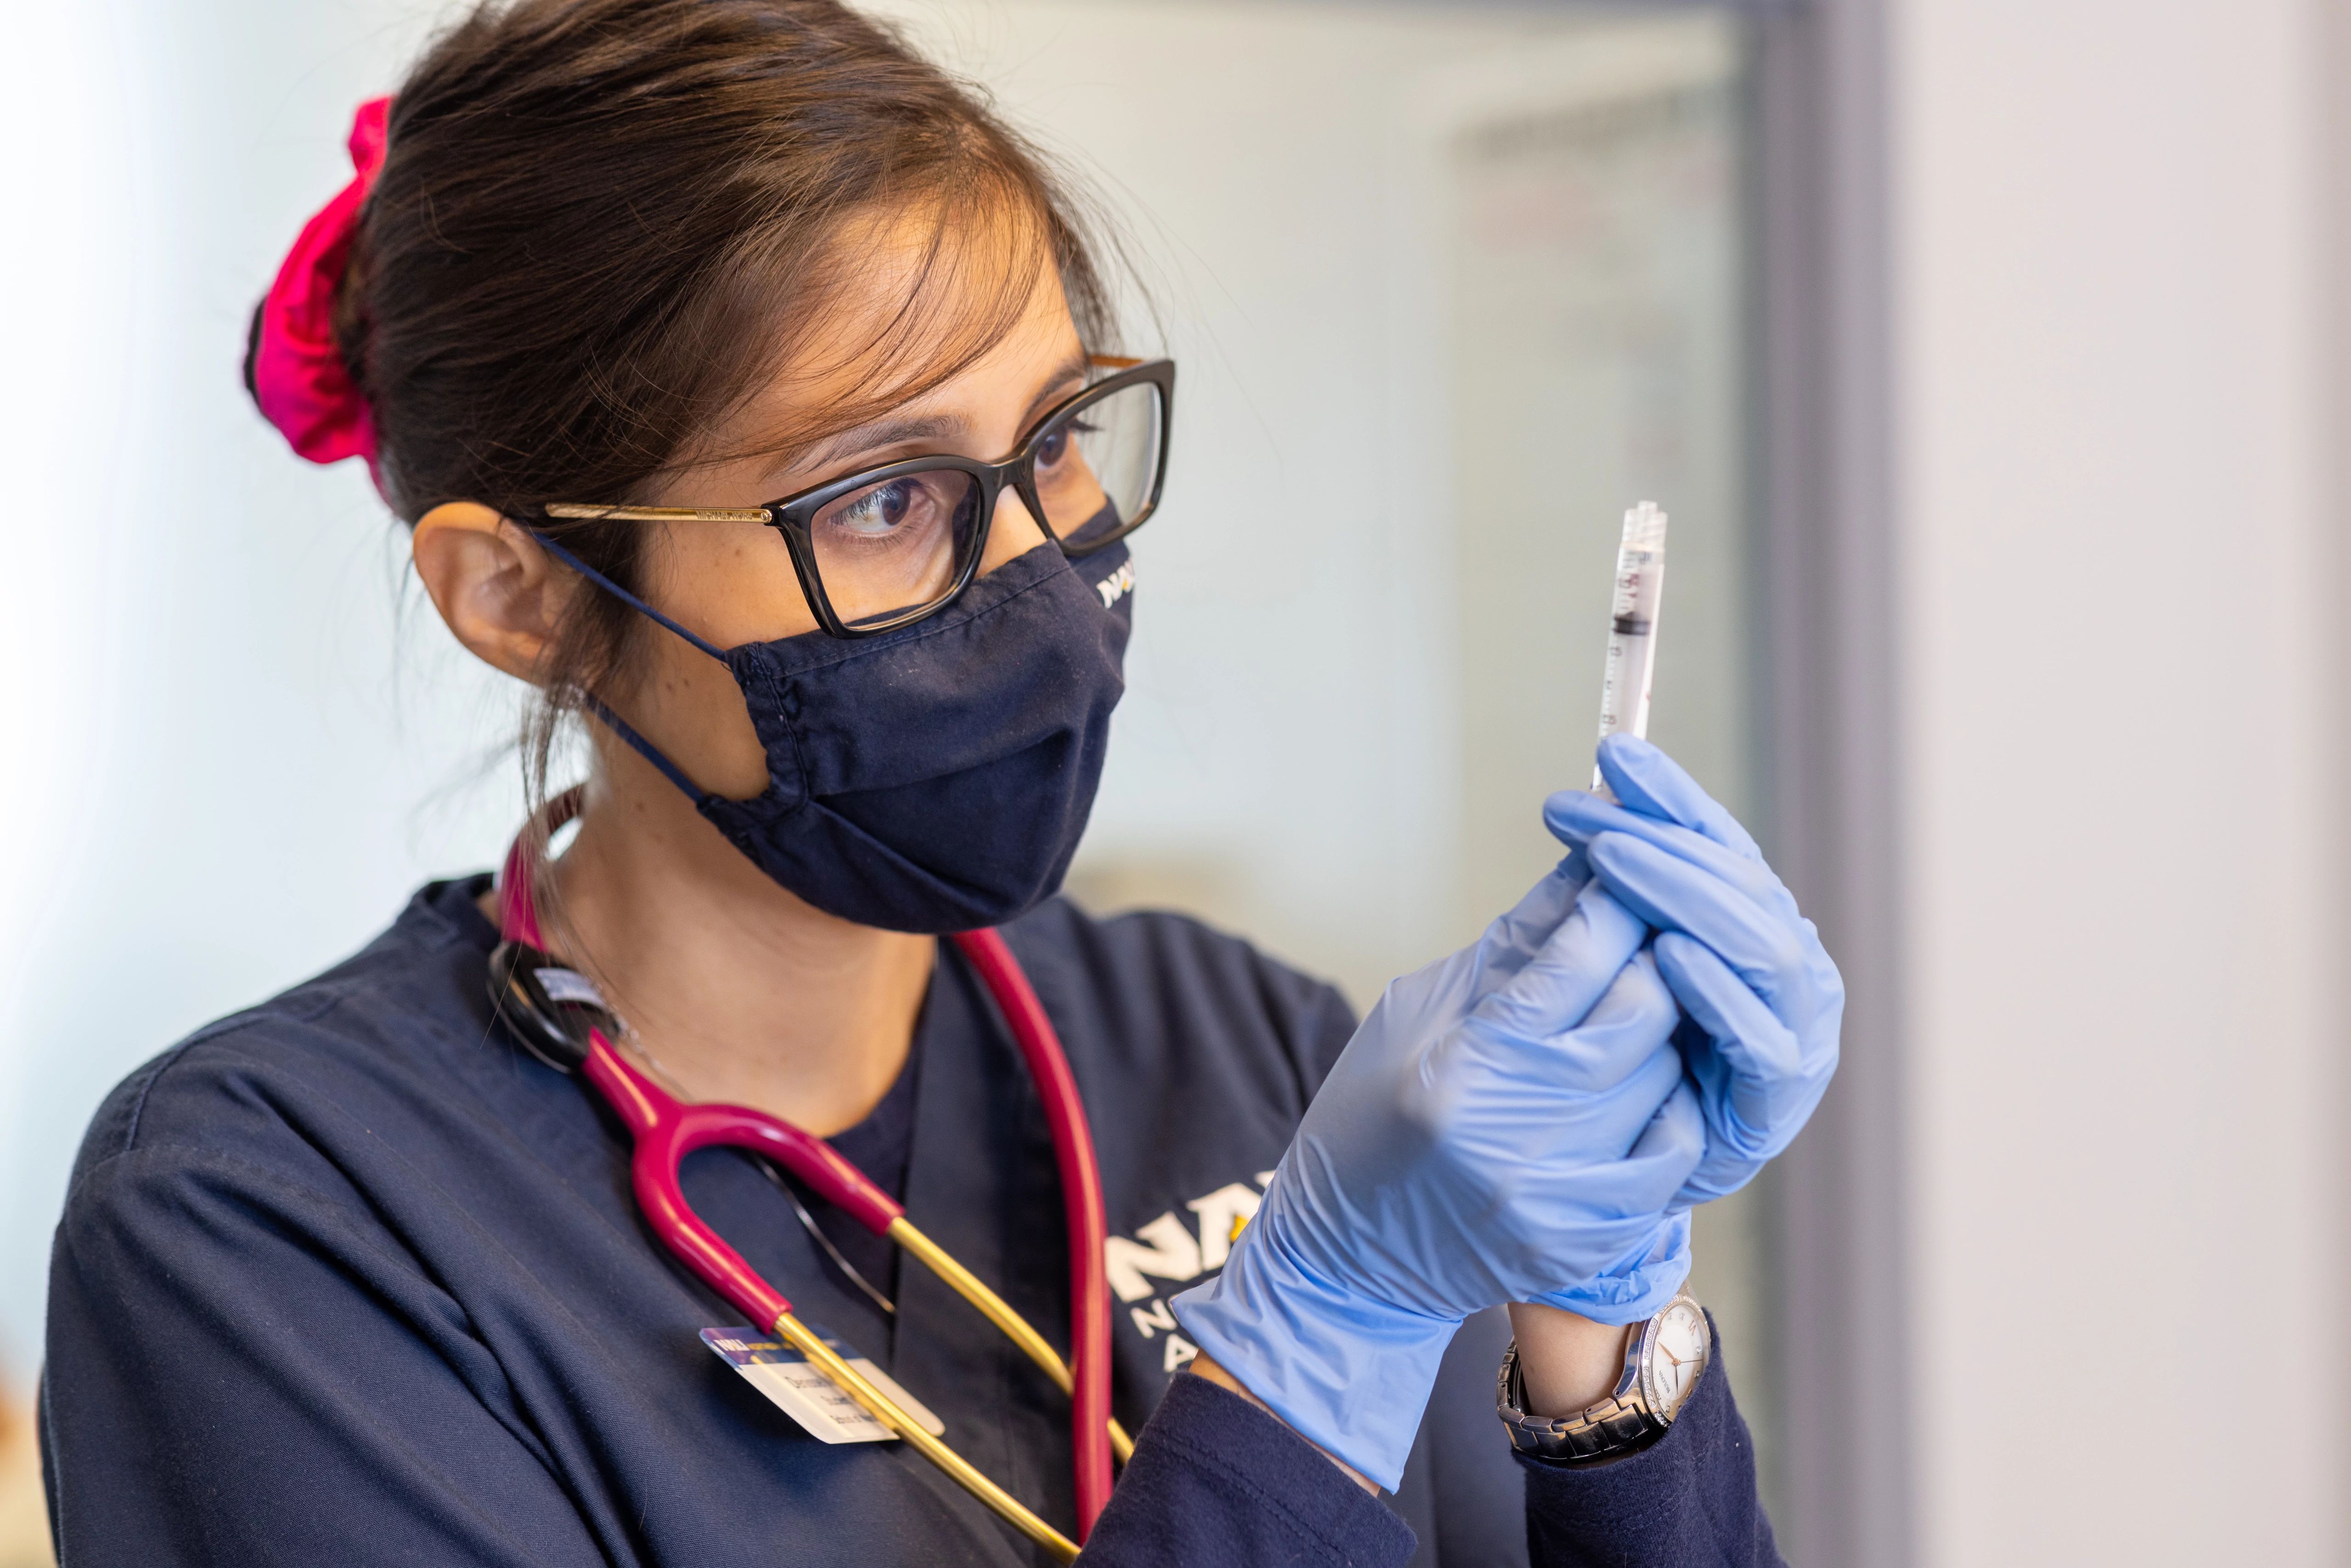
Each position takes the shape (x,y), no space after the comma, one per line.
(548,1008)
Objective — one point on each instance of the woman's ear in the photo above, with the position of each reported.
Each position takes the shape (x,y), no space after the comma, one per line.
(492,583)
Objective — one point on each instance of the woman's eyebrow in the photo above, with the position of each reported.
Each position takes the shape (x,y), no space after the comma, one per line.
(1057,380)
(891,432)
(899,431)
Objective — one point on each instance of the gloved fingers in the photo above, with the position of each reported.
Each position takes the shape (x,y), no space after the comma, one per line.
(1552,991)
(1574,816)
(1669,893)
(1765,1071)
(1675,1131)
(1626,1193)
(1668,1149)
(1544,905)
(1539,1134)
(1529,1139)
(1519,932)
(1632,1025)
(1653,783)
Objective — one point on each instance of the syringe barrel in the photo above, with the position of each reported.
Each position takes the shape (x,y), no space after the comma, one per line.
(1633,628)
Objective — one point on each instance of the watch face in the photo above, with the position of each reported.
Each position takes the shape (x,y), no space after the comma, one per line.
(1678,1347)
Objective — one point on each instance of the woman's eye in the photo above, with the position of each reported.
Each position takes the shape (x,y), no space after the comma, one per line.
(878,510)
(1056,446)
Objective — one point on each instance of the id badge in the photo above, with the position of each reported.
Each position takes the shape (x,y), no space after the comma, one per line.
(806,1395)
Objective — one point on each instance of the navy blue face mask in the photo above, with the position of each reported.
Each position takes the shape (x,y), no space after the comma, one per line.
(936,778)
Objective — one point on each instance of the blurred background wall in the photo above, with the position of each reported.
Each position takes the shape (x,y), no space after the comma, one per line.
(1986,353)
(2121,595)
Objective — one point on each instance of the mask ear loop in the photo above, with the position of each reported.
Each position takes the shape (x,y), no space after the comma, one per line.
(598,707)
(547,543)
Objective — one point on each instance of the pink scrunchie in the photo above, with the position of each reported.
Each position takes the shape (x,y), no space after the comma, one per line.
(296,372)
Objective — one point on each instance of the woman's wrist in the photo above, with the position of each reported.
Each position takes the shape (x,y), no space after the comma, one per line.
(1568,1362)
(1204,1365)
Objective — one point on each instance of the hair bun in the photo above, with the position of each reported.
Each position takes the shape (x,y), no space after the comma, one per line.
(293,366)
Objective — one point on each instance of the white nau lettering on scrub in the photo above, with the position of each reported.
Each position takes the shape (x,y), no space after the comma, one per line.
(1173,1254)
(1117,586)
(1160,1318)
(1222,1214)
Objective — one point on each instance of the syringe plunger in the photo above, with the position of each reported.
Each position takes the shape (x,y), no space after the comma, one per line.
(1633,628)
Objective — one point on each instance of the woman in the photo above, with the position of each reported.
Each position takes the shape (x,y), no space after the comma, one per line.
(357,1275)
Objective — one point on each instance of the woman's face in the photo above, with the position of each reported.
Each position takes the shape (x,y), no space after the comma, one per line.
(733,582)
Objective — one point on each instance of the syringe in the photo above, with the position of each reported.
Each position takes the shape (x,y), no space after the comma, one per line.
(1632,629)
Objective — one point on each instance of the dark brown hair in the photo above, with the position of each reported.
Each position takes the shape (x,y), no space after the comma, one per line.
(602,225)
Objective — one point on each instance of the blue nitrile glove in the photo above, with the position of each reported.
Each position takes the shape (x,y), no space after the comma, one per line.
(1747,967)
(1508,1124)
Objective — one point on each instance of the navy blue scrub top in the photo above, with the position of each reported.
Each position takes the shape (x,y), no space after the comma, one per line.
(352,1278)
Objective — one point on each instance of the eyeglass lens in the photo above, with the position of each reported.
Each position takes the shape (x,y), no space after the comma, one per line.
(1095,464)
(901,545)
(898,545)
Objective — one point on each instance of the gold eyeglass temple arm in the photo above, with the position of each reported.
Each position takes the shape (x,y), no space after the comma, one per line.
(996,1310)
(572,509)
(886,1410)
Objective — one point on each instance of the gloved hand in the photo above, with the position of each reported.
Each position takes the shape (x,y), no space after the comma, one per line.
(1508,1124)
(1746,967)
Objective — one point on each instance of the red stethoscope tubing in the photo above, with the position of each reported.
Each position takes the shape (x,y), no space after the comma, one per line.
(664,1130)
(1082,1207)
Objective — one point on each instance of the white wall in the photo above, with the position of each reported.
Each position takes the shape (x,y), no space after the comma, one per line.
(2117,580)
(227,751)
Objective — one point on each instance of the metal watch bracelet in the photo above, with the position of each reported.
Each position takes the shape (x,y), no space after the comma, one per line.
(1633,1414)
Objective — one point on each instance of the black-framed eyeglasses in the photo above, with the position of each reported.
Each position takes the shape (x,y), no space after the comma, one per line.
(885,547)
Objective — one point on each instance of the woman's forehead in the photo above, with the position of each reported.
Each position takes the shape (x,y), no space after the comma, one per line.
(924,292)
(914,333)
(953,356)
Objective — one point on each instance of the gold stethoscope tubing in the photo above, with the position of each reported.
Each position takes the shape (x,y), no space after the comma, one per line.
(887,1411)
(996,1310)
(884,1409)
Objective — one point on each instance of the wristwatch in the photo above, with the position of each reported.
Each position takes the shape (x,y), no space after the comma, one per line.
(1662,1360)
